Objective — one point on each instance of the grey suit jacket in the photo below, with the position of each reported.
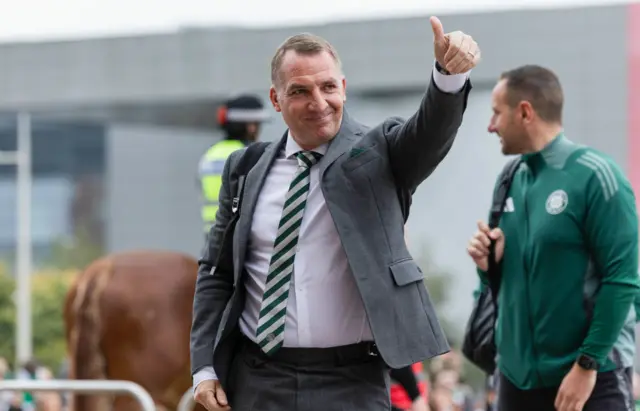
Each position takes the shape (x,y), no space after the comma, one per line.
(363,174)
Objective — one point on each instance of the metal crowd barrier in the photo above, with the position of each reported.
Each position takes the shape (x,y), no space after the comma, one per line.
(83,386)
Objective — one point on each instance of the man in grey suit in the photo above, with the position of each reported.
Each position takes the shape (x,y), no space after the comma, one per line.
(317,309)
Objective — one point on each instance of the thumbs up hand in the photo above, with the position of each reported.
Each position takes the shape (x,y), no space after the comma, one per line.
(456,52)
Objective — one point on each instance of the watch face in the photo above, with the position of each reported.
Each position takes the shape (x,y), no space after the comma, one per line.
(586,362)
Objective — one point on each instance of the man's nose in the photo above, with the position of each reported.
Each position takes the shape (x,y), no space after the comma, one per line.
(318,103)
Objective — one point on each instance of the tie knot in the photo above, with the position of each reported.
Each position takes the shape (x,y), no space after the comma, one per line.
(308,158)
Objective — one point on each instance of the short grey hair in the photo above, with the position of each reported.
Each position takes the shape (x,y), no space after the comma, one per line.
(303,43)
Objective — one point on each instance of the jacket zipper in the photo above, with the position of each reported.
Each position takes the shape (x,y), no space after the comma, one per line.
(525,264)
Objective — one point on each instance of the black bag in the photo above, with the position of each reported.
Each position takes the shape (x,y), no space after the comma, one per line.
(479,343)
(224,260)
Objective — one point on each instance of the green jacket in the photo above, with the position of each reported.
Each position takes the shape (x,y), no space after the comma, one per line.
(570,268)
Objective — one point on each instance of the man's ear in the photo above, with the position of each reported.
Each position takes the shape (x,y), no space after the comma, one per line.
(344,89)
(273,96)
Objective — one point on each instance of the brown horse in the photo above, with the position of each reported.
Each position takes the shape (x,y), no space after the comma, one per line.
(128,317)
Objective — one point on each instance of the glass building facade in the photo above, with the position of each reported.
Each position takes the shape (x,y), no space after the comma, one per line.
(68,166)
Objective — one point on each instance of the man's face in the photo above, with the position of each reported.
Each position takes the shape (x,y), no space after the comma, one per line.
(506,121)
(310,94)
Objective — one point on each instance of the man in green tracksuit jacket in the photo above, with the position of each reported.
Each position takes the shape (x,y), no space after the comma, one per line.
(568,247)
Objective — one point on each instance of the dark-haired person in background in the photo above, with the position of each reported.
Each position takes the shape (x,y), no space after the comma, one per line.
(568,245)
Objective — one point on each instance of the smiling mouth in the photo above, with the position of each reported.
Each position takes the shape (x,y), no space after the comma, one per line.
(319,118)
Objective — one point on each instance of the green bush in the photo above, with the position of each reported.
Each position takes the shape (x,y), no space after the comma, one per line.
(48,292)
(7,316)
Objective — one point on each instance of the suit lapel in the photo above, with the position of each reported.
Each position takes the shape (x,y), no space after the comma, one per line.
(252,186)
(340,143)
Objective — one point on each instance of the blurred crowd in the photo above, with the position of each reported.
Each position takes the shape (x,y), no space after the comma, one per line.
(27,401)
(448,390)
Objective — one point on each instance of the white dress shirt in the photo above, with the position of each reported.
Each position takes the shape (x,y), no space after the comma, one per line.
(324,307)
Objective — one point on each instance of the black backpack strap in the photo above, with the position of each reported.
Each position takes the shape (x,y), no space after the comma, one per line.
(224,258)
(498,203)
(249,158)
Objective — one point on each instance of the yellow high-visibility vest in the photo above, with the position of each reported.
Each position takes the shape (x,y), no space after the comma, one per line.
(210,173)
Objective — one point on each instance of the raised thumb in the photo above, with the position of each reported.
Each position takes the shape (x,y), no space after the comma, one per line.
(438,31)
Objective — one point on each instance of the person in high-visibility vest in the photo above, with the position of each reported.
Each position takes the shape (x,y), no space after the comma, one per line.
(240,119)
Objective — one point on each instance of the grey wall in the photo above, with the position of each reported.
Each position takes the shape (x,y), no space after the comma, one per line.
(153,199)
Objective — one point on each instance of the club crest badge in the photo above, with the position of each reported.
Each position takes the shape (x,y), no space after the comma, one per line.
(557,202)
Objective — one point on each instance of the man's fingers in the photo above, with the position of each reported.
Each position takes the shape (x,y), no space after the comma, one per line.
(479,247)
(496,234)
(209,401)
(475,253)
(221,396)
(476,57)
(462,54)
(213,400)
(481,242)
(456,55)
(483,227)
(455,41)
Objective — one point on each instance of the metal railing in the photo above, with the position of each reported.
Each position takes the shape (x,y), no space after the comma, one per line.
(83,386)
(187,402)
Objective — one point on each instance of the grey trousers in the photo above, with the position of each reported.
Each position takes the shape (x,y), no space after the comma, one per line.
(308,379)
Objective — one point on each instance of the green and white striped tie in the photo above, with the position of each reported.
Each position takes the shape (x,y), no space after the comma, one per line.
(273,310)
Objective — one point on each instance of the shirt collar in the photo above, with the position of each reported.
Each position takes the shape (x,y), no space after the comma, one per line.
(292,147)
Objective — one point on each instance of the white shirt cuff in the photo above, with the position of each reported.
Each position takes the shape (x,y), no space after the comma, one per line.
(204,374)
(449,83)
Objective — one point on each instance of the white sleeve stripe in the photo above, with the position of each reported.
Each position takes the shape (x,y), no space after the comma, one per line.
(611,183)
(608,189)
(605,187)
(608,172)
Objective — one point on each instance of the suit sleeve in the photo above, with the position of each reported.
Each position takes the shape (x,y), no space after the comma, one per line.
(418,145)
(213,290)
(611,229)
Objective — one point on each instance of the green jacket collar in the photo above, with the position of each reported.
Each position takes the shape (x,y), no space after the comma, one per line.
(554,154)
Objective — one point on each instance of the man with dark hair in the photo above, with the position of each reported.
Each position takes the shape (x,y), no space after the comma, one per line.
(539,86)
(567,243)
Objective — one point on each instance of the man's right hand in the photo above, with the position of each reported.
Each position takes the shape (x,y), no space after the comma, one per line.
(479,244)
(419,404)
(210,394)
